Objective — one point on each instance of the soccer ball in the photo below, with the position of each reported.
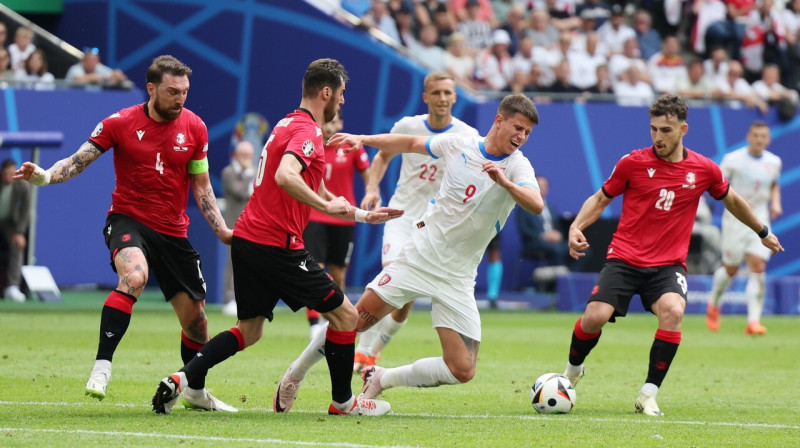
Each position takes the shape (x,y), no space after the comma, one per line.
(552,393)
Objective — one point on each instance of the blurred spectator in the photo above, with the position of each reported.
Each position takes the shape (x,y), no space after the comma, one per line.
(663,13)
(599,9)
(667,67)
(405,27)
(514,25)
(716,66)
(791,23)
(562,84)
(631,90)
(15,206)
(562,14)
(529,81)
(588,23)
(649,40)
(21,48)
(542,236)
(378,17)
(3,34)
(495,68)
(90,71)
(427,51)
(35,73)
(769,88)
(619,63)
(6,74)
(737,91)
(457,62)
(485,12)
(445,24)
(729,32)
(603,85)
(706,13)
(475,29)
(615,32)
(763,41)
(584,63)
(543,33)
(695,85)
(529,55)
(501,8)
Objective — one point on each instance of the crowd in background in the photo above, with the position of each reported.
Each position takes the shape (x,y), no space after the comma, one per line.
(743,52)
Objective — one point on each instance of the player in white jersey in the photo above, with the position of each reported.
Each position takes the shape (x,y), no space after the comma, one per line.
(484,178)
(419,180)
(753,172)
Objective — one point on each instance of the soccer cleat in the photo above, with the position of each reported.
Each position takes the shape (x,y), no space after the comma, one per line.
(201,399)
(360,360)
(363,406)
(167,393)
(754,327)
(646,404)
(712,317)
(286,393)
(13,293)
(98,382)
(574,378)
(372,382)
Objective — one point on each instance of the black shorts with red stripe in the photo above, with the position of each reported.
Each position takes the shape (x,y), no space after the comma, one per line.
(262,275)
(618,282)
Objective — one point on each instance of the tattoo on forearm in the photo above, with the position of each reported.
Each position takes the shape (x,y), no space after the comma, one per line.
(208,203)
(472,350)
(66,169)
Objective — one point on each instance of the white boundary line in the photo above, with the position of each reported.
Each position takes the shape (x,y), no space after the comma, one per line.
(557,418)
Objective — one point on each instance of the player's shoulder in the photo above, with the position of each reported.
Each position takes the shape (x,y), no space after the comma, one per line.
(771,157)
(460,127)
(129,113)
(412,122)
(638,155)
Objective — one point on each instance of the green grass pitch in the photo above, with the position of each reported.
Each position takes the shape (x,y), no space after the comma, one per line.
(724,389)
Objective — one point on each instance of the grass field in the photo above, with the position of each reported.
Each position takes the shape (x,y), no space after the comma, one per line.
(724,389)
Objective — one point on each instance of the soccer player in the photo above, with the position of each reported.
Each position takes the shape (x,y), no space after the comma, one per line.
(662,186)
(484,178)
(418,182)
(330,239)
(754,172)
(269,258)
(159,155)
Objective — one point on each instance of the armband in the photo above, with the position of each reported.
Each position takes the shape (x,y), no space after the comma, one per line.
(198,166)
(361,215)
(764,232)
(40,180)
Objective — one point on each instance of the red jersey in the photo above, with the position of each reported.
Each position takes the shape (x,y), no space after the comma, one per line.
(151,161)
(659,205)
(272,217)
(340,168)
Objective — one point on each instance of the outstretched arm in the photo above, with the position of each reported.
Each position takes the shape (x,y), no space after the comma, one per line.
(61,171)
(204,195)
(372,179)
(742,211)
(392,144)
(591,209)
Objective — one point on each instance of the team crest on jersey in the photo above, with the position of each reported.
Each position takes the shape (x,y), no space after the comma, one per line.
(690,179)
(385,278)
(180,138)
(98,129)
(308,148)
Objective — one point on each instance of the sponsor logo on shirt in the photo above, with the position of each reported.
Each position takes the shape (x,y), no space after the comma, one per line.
(651,171)
(140,134)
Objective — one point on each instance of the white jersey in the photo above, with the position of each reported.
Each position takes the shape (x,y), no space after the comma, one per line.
(752,177)
(420,175)
(468,210)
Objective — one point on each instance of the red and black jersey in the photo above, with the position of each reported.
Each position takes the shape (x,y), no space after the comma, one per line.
(272,217)
(151,165)
(660,201)
(340,169)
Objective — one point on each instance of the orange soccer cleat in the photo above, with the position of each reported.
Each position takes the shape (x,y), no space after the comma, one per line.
(754,327)
(712,317)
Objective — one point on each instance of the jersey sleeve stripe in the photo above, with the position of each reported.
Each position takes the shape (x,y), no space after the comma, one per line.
(97,145)
(428,147)
(299,159)
(533,184)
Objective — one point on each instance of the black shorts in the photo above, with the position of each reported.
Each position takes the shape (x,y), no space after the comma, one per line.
(496,243)
(329,243)
(171,259)
(263,274)
(619,281)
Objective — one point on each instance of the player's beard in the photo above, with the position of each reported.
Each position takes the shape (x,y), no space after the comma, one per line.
(331,109)
(165,112)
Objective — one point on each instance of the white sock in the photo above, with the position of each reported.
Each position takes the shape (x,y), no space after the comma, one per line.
(754,292)
(719,284)
(313,353)
(388,328)
(425,372)
(102,364)
(649,389)
(366,339)
(573,370)
(346,406)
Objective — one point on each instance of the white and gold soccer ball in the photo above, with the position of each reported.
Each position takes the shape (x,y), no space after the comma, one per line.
(553,393)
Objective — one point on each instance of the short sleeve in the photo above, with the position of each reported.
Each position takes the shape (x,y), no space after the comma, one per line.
(726,166)
(437,145)
(522,173)
(615,184)
(105,133)
(201,137)
(305,144)
(719,185)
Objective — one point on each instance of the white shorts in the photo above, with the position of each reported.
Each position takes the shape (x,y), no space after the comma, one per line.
(396,233)
(452,299)
(738,240)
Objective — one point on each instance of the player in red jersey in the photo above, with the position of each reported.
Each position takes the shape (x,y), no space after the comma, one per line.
(269,257)
(159,155)
(662,186)
(329,239)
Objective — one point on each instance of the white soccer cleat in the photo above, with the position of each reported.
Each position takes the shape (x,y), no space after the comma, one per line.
(286,392)
(646,404)
(201,399)
(13,293)
(574,378)
(98,380)
(363,406)
(372,382)
(167,393)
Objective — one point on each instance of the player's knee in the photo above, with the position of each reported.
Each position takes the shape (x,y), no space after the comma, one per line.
(463,373)
(134,280)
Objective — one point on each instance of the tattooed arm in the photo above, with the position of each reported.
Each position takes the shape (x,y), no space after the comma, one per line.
(61,171)
(204,195)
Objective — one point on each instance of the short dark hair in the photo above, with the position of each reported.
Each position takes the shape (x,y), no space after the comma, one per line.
(759,124)
(323,73)
(518,104)
(7,163)
(670,106)
(166,64)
